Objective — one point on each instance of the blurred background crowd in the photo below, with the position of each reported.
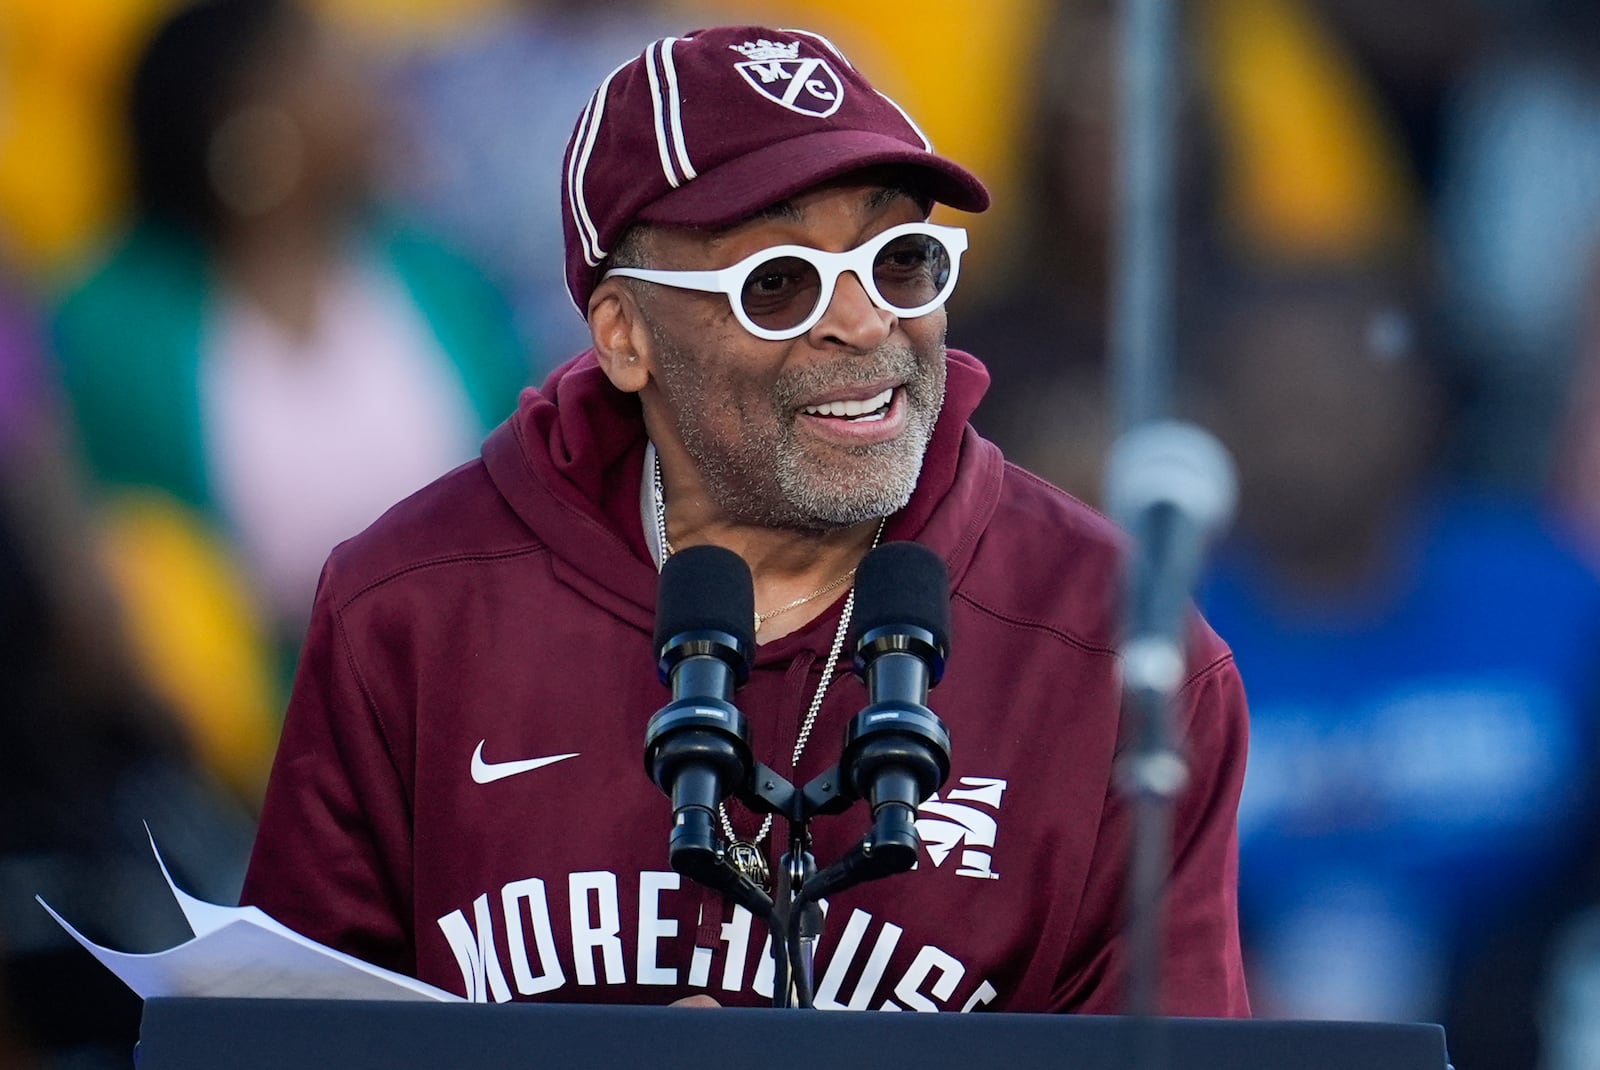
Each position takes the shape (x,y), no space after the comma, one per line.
(268,266)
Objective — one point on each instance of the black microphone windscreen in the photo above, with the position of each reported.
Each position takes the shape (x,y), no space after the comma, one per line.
(903,583)
(705,588)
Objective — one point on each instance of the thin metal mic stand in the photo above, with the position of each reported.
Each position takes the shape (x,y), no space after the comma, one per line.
(1141,313)
(1150,779)
(1171,484)
(1141,343)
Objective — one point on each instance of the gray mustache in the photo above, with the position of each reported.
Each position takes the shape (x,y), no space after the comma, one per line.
(897,363)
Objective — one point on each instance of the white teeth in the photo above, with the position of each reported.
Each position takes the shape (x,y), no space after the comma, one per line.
(851,408)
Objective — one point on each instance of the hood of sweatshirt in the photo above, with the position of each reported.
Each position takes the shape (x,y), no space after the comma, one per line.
(570,463)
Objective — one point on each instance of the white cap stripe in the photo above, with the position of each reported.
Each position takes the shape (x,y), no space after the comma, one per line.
(679,144)
(573,196)
(831,47)
(591,251)
(660,116)
(926,144)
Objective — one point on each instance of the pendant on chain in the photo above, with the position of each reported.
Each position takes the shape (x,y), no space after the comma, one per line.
(746,858)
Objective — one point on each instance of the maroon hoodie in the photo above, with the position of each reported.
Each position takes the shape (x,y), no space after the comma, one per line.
(505,613)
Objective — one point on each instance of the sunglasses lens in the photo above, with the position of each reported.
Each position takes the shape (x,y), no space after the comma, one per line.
(780,293)
(912,270)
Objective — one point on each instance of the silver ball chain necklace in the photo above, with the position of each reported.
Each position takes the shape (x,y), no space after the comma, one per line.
(745,855)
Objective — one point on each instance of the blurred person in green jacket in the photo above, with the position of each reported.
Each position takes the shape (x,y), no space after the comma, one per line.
(262,354)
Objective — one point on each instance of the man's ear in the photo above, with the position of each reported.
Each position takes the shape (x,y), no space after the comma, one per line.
(621,335)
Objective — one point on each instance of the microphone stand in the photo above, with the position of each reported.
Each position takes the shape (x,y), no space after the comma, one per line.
(796,919)
(1150,778)
(794,915)
(1141,374)
(802,920)
(1172,486)
(889,847)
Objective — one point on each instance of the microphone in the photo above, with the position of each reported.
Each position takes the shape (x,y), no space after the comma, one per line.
(697,747)
(897,750)
(1171,485)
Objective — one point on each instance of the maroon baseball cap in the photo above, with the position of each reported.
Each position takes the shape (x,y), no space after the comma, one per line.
(707,129)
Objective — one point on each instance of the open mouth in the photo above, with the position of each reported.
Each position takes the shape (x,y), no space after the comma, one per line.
(865,410)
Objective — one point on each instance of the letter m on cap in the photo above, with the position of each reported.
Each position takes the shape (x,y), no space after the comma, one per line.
(807,86)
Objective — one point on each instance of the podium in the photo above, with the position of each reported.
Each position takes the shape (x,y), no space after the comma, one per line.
(263,1034)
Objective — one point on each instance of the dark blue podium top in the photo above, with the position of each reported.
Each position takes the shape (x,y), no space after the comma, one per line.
(251,1034)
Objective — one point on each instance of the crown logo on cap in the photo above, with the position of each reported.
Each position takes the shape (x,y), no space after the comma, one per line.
(767,50)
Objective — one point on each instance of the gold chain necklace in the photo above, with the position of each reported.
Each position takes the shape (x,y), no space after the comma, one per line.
(762,618)
(745,855)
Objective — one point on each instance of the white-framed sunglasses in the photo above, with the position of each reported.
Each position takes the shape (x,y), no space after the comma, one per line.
(781,292)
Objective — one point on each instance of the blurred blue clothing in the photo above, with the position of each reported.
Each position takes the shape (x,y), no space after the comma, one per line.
(1518,228)
(1421,754)
(487,120)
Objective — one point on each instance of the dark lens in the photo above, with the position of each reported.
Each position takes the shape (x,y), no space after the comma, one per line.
(912,270)
(780,293)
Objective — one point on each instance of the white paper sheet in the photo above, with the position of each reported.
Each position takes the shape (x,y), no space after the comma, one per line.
(242,952)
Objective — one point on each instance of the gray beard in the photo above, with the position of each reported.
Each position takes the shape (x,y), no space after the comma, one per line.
(770,481)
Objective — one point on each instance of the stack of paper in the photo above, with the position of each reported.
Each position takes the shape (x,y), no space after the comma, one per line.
(240,951)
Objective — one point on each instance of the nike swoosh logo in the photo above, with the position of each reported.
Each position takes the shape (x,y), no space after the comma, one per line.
(486,773)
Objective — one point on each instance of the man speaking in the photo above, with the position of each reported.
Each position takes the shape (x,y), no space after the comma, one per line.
(458,793)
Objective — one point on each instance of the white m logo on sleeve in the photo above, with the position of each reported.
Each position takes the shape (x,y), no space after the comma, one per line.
(945,824)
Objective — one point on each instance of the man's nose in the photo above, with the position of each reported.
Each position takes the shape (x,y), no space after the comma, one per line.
(851,319)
